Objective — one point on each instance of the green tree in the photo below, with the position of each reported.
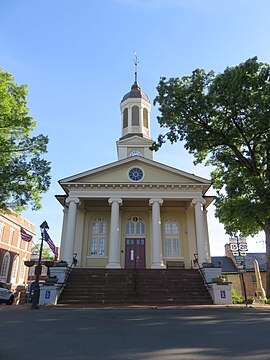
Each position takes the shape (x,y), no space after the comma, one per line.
(46,252)
(224,120)
(24,174)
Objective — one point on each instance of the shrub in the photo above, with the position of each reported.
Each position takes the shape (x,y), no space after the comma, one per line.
(236,299)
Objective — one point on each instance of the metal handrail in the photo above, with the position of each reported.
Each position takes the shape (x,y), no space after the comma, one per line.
(69,269)
(200,270)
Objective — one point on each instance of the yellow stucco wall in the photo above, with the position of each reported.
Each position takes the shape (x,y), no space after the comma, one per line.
(145,213)
(152,174)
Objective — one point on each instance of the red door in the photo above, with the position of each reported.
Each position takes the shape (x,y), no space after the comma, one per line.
(135,253)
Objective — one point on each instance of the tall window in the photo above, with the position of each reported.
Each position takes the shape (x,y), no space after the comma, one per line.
(11,236)
(145,118)
(125,118)
(5,266)
(98,237)
(14,269)
(135,115)
(2,226)
(22,272)
(171,238)
(135,226)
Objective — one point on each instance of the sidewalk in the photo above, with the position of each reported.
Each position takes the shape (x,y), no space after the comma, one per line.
(107,306)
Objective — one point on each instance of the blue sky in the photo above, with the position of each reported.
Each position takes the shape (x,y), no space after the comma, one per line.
(76,58)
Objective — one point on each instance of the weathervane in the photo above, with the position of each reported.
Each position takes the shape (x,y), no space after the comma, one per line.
(136,62)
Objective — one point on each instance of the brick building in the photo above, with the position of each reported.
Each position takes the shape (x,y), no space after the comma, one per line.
(14,251)
(229,268)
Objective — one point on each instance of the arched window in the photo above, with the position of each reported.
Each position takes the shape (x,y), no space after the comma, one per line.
(125,118)
(135,226)
(145,118)
(171,238)
(135,115)
(22,272)
(14,270)
(5,266)
(98,237)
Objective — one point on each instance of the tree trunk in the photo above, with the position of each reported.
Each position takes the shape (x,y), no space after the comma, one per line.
(267,242)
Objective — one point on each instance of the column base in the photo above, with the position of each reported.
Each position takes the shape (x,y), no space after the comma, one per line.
(113,266)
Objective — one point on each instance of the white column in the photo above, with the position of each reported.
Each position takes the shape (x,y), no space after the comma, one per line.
(63,234)
(191,240)
(207,245)
(157,259)
(200,229)
(70,229)
(114,250)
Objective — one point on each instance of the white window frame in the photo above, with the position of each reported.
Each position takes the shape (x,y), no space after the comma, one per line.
(171,238)
(5,266)
(14,270)
(135,227)
(98,237)
(2,227)
(11,236)
(22,272)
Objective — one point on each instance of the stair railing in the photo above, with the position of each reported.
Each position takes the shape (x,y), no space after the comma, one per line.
(68,272)
(196,261)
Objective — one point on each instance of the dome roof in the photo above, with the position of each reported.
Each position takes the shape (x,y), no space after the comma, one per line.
(136,92)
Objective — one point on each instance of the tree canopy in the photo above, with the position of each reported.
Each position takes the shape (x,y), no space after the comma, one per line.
(224,120)
(24,173)
(46,252)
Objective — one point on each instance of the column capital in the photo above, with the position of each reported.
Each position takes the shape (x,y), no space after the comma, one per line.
(153,200)
(112,200)
(198,200)
(70,199)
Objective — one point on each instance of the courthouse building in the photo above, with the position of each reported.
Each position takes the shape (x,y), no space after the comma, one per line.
(134,212)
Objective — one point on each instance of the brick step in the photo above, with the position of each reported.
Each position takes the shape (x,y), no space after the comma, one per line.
(121,286)
(138,302)
(87,299)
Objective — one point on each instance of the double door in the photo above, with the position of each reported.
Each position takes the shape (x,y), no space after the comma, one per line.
(135,253)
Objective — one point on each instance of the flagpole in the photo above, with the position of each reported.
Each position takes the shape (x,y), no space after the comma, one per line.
(38,268)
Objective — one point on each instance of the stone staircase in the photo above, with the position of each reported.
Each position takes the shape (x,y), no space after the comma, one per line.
(127,287)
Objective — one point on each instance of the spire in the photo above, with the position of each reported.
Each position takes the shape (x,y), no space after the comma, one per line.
(136,62)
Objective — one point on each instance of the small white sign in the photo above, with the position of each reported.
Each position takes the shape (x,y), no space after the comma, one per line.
(132,255)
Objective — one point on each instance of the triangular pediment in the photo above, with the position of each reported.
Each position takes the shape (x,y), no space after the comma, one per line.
(118,173)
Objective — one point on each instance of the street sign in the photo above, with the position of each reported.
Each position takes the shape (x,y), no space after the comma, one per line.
(240,262)
(238,246)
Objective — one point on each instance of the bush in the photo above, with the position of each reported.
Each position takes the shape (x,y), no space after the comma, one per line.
(236,299)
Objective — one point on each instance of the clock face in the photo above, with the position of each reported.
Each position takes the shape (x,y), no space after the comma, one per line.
(135,174)
(135,153)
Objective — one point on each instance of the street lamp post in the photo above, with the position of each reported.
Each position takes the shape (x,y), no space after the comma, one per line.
(38,268)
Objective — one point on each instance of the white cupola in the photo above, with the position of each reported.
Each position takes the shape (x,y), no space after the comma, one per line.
(135,123)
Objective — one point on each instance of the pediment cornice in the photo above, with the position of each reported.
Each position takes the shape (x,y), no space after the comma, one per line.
(136,186)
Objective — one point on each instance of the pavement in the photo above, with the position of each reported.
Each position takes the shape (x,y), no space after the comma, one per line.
(28,306)
(87,332)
